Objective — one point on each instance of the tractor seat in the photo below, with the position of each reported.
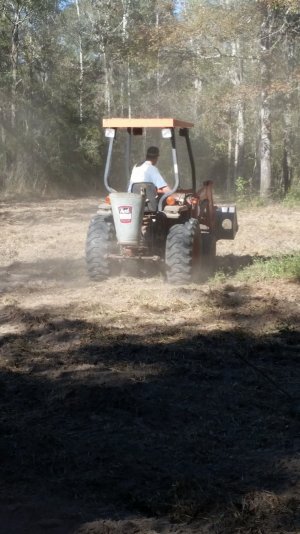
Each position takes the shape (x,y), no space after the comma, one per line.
(151,202)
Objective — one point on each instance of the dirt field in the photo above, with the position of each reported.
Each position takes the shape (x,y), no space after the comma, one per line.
(130,406)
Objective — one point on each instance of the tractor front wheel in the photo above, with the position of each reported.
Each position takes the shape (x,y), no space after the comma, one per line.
(101,241)
(183,249)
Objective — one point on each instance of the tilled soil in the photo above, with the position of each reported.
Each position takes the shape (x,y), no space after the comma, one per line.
(131,406)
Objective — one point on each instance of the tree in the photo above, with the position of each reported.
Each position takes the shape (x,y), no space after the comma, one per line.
(228,65)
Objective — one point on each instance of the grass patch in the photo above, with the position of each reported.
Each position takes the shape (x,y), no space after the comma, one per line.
(287,266)
(252,201)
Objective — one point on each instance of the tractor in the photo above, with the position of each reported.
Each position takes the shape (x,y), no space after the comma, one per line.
(176,230)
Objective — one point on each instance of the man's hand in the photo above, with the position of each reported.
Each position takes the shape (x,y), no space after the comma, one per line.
(163,190)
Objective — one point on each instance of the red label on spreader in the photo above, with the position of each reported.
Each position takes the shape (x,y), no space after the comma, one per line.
(125,214)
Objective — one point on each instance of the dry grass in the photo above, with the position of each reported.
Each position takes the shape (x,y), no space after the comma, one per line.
(128,406)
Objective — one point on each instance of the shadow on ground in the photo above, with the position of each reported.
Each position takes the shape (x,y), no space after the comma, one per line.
(19,274)
(230,264)
(99,427)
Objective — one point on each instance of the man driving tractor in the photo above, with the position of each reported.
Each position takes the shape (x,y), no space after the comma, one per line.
(147,172)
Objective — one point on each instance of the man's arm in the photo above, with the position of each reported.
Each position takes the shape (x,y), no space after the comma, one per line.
(158,180)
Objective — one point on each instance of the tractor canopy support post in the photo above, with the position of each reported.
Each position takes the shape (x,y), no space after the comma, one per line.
(107,165)
(175,168)
(128,154)
(185,133)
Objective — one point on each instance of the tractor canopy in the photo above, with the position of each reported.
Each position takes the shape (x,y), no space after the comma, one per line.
(146,123)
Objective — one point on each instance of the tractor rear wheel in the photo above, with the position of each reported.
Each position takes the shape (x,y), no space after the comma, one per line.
(183,249)
(101,240)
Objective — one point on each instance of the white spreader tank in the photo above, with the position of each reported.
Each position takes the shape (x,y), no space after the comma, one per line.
(128,210)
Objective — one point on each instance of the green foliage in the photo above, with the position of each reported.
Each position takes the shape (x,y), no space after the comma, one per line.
(286,267)
(244,197)
(241,189)
(292,199)
(252,201)
(202,63)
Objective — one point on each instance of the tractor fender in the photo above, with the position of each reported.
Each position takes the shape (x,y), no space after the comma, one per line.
(226,222)
(174,212)
(104,209)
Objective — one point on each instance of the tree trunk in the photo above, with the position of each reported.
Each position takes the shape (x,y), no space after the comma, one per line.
(287,165)
(81,69)
(239,149)
(107,97)
(239,144)
(126,5)
(287,169)
(265,147)
(157,68)
(14,55)
(229,161)
(265,113)
(3,153)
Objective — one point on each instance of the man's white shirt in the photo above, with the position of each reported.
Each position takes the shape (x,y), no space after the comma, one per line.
(146,173)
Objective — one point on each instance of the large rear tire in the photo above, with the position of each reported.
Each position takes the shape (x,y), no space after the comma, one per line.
(183,249)
(101,240)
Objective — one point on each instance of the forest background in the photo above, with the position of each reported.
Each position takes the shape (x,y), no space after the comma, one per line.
(229,66)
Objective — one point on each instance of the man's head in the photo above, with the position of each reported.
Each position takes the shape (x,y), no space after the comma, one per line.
(152,154)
